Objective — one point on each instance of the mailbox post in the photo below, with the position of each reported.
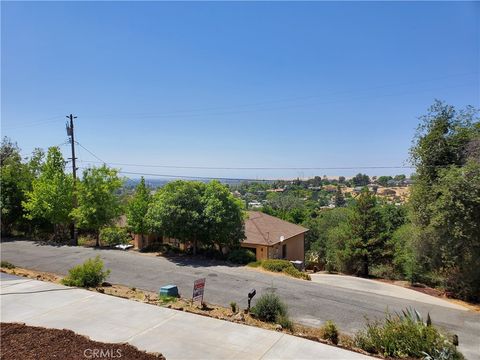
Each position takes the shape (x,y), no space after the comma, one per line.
(251,294)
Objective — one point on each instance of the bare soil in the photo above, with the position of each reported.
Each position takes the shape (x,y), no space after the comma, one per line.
(23,342)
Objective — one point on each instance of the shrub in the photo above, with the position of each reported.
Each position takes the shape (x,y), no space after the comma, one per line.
(7,265)
(405,335)
(114,235)
(255,264)
(269,307)
(276,265)
(89,274)
(241,256)
(293,271)
(165,299)
(330,332)
(233,306)
(285,322)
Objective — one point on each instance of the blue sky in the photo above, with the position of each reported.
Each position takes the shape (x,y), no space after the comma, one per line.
(235,84)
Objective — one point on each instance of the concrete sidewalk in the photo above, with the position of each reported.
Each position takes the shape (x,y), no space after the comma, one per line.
(175,334)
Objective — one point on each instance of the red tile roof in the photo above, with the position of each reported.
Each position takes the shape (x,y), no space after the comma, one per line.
(263,229)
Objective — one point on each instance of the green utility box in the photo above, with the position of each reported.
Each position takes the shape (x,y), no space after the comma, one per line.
(169,290)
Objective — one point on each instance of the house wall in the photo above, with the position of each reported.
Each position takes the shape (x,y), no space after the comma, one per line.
(260,250)
(295,249)
(148,239)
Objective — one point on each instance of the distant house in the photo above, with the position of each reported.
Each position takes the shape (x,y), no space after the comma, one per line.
(276,190)
(254,204)
(272,238)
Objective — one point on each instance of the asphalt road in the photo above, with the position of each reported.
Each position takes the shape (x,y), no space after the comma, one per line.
(309,303)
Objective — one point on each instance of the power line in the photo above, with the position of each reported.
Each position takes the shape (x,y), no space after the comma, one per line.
(91,153)
(252,168)
(192,177)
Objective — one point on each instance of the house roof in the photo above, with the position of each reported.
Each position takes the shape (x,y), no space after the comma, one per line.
(263,229)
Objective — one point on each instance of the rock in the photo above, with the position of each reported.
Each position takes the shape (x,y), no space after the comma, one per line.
(239,317)
(278,327)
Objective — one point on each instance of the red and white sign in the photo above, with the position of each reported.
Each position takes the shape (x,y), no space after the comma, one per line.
(198,290)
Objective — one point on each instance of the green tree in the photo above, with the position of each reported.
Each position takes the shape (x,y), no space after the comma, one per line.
(361,180)
(98,200)
(443,197)
(50,198)
(176,211)
(339,198)
(383,180)
(137,209)
(223,216)
(14,181)
(366,245)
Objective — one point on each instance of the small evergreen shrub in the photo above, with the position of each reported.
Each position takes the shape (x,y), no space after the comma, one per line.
(89,274)
(406,335)
(330,332)
(269,307)
(233,306)
(276,265)
(7,265)
(241,256)
(114,235)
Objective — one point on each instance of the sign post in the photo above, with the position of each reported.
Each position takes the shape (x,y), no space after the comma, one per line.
(198,290)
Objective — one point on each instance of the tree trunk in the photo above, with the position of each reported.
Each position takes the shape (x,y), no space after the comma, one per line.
(365,265)
(97,239)
(195,245)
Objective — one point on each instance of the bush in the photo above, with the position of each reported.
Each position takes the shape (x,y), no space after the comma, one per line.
(276,265)
(293,271)
(7,265)
(285,322)
(405,335)
(330,332)
(269,307)
(114,235)
(241,256)
(255,264)
(233,306)
(89,274)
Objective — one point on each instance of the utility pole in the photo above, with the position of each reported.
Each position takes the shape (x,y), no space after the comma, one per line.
(70,133)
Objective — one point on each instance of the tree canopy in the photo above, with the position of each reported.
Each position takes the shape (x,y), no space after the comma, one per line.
(98,201)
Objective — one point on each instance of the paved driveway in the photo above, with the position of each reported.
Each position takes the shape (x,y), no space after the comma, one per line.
(310,303)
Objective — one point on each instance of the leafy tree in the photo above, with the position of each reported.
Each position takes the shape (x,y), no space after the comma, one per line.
(14,181)
(98,202)
(383,180)
(50,198)
(365,247)
(176,211)
(455,226)
(222,216)
(341,179)
(339,198)
(361,180)
(444,197)
(137,209)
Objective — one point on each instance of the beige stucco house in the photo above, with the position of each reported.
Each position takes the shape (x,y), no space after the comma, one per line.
(272,238)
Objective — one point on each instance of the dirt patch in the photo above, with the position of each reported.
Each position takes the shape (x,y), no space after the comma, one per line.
(61,344)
